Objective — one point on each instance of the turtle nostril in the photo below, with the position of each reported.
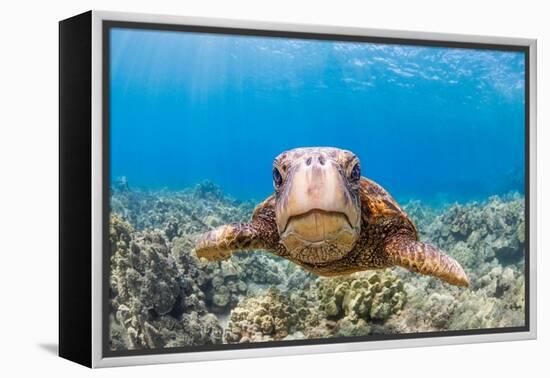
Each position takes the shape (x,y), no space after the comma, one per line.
(321,160)
(308,161)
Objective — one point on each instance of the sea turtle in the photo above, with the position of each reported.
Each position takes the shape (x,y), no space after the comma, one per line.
(331,221)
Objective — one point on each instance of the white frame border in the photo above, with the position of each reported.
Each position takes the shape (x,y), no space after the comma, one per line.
(97,238)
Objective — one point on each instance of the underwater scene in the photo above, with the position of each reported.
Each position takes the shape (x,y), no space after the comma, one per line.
(277,188)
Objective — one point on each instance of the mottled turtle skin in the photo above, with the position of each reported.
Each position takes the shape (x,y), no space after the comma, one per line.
(331,221)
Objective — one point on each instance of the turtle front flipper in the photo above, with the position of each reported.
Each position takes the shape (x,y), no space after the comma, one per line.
(260,233)
(220,243)
(425,258)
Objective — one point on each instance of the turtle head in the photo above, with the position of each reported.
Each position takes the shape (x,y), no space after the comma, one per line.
(318,212)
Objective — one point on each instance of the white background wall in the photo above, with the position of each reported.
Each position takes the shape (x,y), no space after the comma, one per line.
(28,186)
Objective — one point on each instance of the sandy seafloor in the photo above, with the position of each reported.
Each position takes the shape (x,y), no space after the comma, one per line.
(162,296)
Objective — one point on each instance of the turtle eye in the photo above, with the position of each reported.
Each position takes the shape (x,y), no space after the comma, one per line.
(277,178)
(355,172)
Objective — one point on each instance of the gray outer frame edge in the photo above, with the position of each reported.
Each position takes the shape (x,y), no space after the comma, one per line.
(99,361)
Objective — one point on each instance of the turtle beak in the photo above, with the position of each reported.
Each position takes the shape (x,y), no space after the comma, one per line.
(315,183)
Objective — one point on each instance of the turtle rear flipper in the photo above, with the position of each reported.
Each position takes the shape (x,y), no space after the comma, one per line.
(425,258)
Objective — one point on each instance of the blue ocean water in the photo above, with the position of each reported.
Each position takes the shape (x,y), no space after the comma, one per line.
(436,124)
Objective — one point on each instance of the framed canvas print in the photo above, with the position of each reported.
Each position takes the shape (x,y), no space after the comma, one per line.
(234,189)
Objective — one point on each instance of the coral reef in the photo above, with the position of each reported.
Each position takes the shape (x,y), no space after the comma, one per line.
(343,306)
(161,295)
(422,216)
(269,316)
(179,213)
(225,285)
(354,301)
(498,301)
(146,294)
(482,235)
(261,268)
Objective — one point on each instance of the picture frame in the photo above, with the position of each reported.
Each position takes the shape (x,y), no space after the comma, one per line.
(84,150)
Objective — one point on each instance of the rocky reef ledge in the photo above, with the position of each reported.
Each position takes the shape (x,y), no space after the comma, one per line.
(162,296)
